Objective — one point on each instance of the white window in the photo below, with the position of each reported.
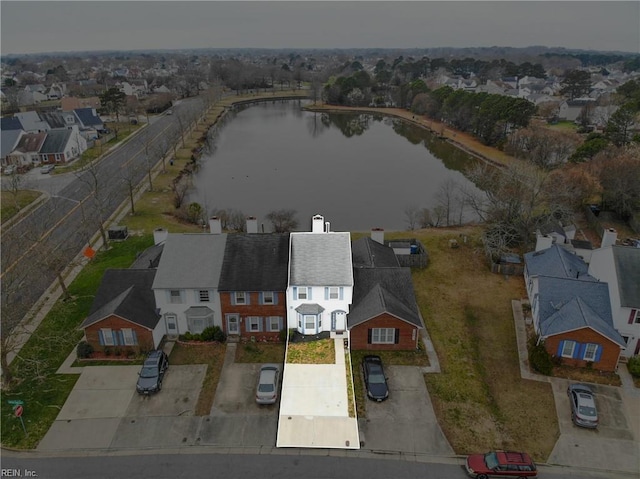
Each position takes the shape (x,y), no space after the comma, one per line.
(383,336)
(334,293)
(253,324)
(240,297)
(107,336)
(267,297)
(590,352)
(309,321)
(129,338)
(175,296)
(568,348)
(274,323)
(636,320)
(203,295)
(302,292)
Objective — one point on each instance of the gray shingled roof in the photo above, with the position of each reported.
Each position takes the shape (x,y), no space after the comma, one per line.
(367,253)
(320,259)
(126,293)
(31,121)
(149,258)
(627,262)
(557,262)
(87,117)
(383,290)
(567,304)
(56,141)
(191,261)
(255,262)
(8,140)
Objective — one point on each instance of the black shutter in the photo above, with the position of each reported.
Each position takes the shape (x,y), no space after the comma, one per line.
(397,338)
(369,334)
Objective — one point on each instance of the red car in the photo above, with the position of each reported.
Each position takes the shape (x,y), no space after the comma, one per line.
(501,464)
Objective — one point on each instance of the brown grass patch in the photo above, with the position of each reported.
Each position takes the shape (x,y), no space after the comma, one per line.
(210,354)
(321,351)
(260,353)
(479,395)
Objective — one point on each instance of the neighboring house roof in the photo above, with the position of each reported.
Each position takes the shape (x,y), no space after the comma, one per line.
(557,262)
(191,261)
(54,119)
(383,290)
(255,262)
(149,258)
(370,254)
(552,226)
(8,141)
(321,259)
(31,121)
(88,117)
(31,142)
(627,263)
(11,123)
(125,293)
(56,141)
(567,304)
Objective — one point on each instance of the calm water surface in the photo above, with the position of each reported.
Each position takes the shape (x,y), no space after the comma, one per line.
(358,171)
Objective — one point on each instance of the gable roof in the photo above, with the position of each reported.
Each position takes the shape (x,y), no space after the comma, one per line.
(368,253)
(31,121)
(126,293)
(383,290)
(556,262)
(190,260)
(56,141)
(8,141)
(149,258)
(31,142)
(54,119)
(255,262)
(10,123)
(627,263)
(567,304)
(320,259)
(88,117)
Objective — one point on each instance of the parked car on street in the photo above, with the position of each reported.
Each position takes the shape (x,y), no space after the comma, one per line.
(500,464)
(583,406)
(46,169)
(268,380)
(153,370)
(374,378)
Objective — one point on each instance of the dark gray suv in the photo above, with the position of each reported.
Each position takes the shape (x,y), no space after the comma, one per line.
(152,373)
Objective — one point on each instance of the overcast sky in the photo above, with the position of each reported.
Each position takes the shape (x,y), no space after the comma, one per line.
(45,26)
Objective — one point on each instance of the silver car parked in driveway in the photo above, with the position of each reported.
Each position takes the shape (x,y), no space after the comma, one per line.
(583,406)
(268,381)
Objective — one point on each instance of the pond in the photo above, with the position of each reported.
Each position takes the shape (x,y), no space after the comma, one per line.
(358,171)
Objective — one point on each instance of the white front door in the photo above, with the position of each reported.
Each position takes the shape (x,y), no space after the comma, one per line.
(172,325)
(233,324)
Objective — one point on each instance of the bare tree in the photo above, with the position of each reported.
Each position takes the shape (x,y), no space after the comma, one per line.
(179,187)
(283,220)
(411,216)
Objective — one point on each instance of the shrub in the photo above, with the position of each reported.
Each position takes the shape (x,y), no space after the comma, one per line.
(283,335)
(539,358)
(633,365)
(84,350)
(107,351)
(219,335)
(208,333)
(187,336)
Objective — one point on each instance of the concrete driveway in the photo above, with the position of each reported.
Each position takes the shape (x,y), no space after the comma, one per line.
(104,410)
(236,419)
(406,421)
(612,443)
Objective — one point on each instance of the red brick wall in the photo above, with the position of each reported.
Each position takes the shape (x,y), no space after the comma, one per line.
(608,358)
(144,335)
(254,308)
(359,334)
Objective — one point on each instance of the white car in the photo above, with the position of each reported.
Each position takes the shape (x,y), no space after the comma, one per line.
(46,169)
(268,381)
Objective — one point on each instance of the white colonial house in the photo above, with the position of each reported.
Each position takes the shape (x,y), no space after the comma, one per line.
(320,279)
(619,267)
(186,282)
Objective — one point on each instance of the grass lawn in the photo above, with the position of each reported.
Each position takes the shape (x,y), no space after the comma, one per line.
(11,203)
(479,398)
(210,354)
(36,383)
(260,353)
(321,351)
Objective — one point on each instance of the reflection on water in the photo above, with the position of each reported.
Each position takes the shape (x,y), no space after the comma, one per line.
(359,171)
